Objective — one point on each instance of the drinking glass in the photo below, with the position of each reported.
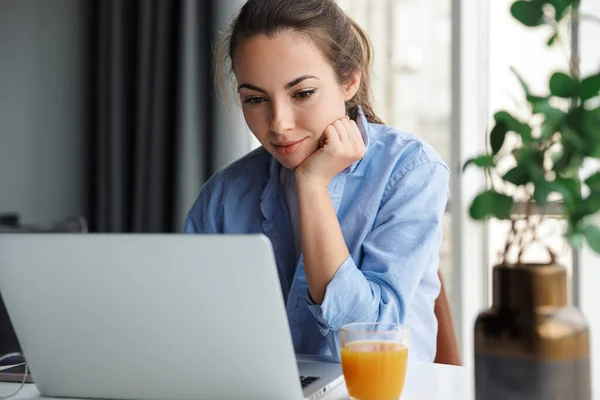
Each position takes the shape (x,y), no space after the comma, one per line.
(374,359)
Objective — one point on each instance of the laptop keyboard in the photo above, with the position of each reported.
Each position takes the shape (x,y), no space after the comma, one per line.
(307,380)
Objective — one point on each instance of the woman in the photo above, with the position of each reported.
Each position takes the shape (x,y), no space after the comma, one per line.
(352,207)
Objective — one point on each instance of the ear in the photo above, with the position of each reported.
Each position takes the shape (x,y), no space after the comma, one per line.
(351,87)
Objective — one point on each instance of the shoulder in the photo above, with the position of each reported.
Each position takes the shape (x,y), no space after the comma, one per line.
(244,177)
(398,156)
(405,150)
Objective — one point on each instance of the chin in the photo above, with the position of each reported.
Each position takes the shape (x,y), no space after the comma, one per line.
(291,162)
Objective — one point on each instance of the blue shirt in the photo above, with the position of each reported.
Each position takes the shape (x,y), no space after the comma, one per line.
(390,206)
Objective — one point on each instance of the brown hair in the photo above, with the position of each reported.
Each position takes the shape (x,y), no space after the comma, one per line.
(341,40)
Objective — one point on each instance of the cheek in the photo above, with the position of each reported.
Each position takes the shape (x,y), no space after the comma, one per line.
(256,121)
(321,114)
(313,120)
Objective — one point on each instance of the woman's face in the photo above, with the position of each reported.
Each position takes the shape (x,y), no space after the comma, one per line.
(289,94)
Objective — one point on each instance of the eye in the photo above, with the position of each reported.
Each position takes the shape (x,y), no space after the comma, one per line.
(254,100)
(305,94)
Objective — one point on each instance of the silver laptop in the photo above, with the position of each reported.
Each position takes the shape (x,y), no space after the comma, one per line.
(147,317)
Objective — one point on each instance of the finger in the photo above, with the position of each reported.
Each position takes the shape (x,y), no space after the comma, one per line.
(354,135)
(342,131)
(360,141)
(355,138)
(331,137)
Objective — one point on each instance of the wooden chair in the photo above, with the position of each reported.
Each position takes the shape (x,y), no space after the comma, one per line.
(447,345)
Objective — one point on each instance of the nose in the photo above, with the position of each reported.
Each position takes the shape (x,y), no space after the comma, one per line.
(282,118)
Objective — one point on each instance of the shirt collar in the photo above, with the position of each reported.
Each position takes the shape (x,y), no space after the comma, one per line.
(364,128)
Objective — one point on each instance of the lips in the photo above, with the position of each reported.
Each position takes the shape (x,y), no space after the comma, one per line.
(288,147)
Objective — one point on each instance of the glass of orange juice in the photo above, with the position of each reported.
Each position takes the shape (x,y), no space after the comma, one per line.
(374,359)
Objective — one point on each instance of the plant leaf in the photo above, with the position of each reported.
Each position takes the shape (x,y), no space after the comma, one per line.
(554,120)
(491,204)
(592,235)
(516,153)
(480,161)
(593,182)
(576,239)
(514,125)
(507,118)
(560,7)
(573,138)
(541,192)
(589,87)
(525,132)
(521,80)
(563,160)
(582,129)
(529,13)
(591,204)
(556,155)
(552,39)
(570,191)
(503,206)
(595,151)
(519,175)
(562,85)
(531,158)
(590,125)
(497,137)
(539,104)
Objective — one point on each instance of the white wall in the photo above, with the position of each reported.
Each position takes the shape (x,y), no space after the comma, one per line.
(41,108)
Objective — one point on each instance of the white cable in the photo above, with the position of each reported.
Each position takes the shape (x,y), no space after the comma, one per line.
(4,357)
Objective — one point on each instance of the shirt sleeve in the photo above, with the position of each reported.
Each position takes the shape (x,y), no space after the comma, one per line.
(396,254)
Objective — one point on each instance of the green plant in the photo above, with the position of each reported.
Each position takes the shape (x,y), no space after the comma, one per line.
(537,156)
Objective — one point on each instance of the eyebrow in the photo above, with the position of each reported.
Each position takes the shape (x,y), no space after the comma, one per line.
(287,86)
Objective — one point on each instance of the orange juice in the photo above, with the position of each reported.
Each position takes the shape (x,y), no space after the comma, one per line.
(374,370)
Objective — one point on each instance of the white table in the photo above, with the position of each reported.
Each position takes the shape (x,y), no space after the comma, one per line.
(427,381)
(431,382)
(423,381)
